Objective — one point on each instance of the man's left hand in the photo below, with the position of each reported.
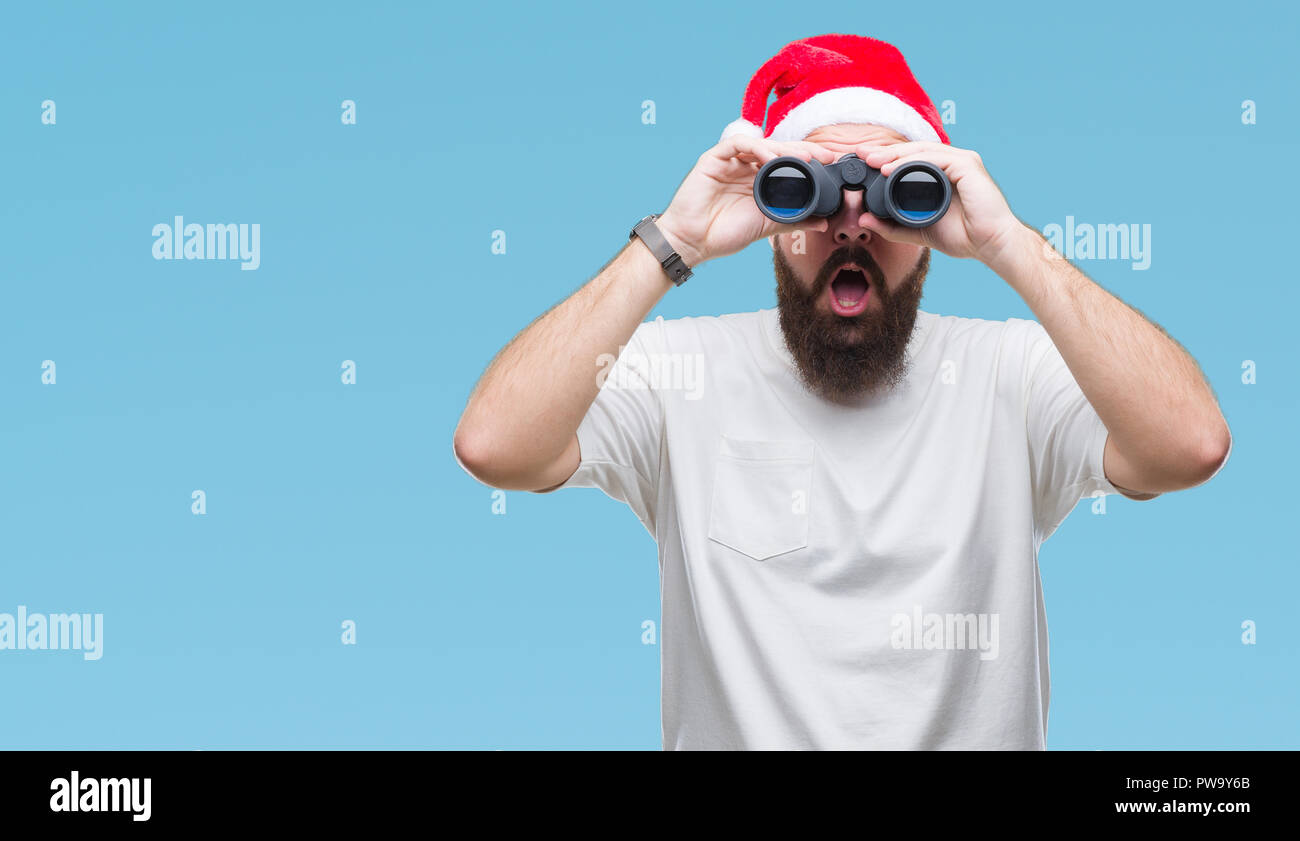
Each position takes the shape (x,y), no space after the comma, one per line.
(978,224)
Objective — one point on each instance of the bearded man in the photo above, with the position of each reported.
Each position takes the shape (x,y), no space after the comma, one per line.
(849,506)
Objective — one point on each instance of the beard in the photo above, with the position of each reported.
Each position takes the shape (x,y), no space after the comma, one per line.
(843,358)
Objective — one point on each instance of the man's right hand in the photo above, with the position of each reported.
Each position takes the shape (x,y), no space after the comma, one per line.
(713,213)
(519,429)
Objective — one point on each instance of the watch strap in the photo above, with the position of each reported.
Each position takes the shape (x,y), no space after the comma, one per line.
(672,262)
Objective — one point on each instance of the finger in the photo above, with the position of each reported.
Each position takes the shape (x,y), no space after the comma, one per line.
(750,148)
(811,151)
(888,151)
(801,150)
(954,164)
(763,150)
(892,231)
(813,224)
(876,156)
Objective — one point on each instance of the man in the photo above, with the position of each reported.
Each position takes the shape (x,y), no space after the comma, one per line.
(849,504)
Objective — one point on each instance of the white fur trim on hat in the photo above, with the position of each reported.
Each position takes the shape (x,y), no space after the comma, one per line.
(853,105)
(741,126)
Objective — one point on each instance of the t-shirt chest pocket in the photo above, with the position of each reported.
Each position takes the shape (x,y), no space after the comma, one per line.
(761,493)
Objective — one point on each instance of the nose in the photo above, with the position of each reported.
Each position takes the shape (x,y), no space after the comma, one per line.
(844,224)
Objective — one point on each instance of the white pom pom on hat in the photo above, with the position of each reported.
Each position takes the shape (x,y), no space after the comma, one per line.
(741,126)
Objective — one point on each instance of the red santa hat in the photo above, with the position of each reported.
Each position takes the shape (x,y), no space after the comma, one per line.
(831,79)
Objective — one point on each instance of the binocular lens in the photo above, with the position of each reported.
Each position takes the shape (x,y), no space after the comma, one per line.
(786,191)
(917,195)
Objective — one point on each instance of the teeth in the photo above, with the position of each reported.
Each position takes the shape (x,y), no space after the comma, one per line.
(847,304)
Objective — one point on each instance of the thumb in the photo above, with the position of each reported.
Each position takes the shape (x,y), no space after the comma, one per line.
(817,224)
(891,230)
(813,224)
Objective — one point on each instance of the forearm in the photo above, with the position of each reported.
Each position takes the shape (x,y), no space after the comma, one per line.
(1161,413)
(525,410)
(519,428)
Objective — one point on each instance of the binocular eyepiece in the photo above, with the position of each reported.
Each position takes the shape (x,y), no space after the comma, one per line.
(790,189)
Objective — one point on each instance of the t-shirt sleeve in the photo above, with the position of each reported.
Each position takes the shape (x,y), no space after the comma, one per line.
(621,435)
(1067,439)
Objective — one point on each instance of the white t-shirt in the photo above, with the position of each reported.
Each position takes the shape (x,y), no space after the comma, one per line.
(847,577)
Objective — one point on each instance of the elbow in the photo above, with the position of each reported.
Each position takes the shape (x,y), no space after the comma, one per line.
(488,459)
(1211,454)
(1214,450)
(473,453)
(496,459)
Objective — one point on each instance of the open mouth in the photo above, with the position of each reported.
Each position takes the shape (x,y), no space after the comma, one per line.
(848,290)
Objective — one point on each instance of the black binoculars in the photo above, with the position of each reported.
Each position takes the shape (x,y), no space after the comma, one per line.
(790,189)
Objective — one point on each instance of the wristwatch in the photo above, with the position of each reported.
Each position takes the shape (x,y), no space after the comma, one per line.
(654,239)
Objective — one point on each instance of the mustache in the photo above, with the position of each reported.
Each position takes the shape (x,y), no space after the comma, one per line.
(841,257)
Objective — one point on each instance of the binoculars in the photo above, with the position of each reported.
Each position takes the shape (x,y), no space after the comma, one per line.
(790,189)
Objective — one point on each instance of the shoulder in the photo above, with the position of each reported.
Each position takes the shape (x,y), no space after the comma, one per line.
(699,331)
(959,326)
(1011,335)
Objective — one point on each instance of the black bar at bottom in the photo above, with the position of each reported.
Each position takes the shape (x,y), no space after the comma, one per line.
(545,790)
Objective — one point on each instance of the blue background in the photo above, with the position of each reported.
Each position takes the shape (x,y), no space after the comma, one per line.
(329,502)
